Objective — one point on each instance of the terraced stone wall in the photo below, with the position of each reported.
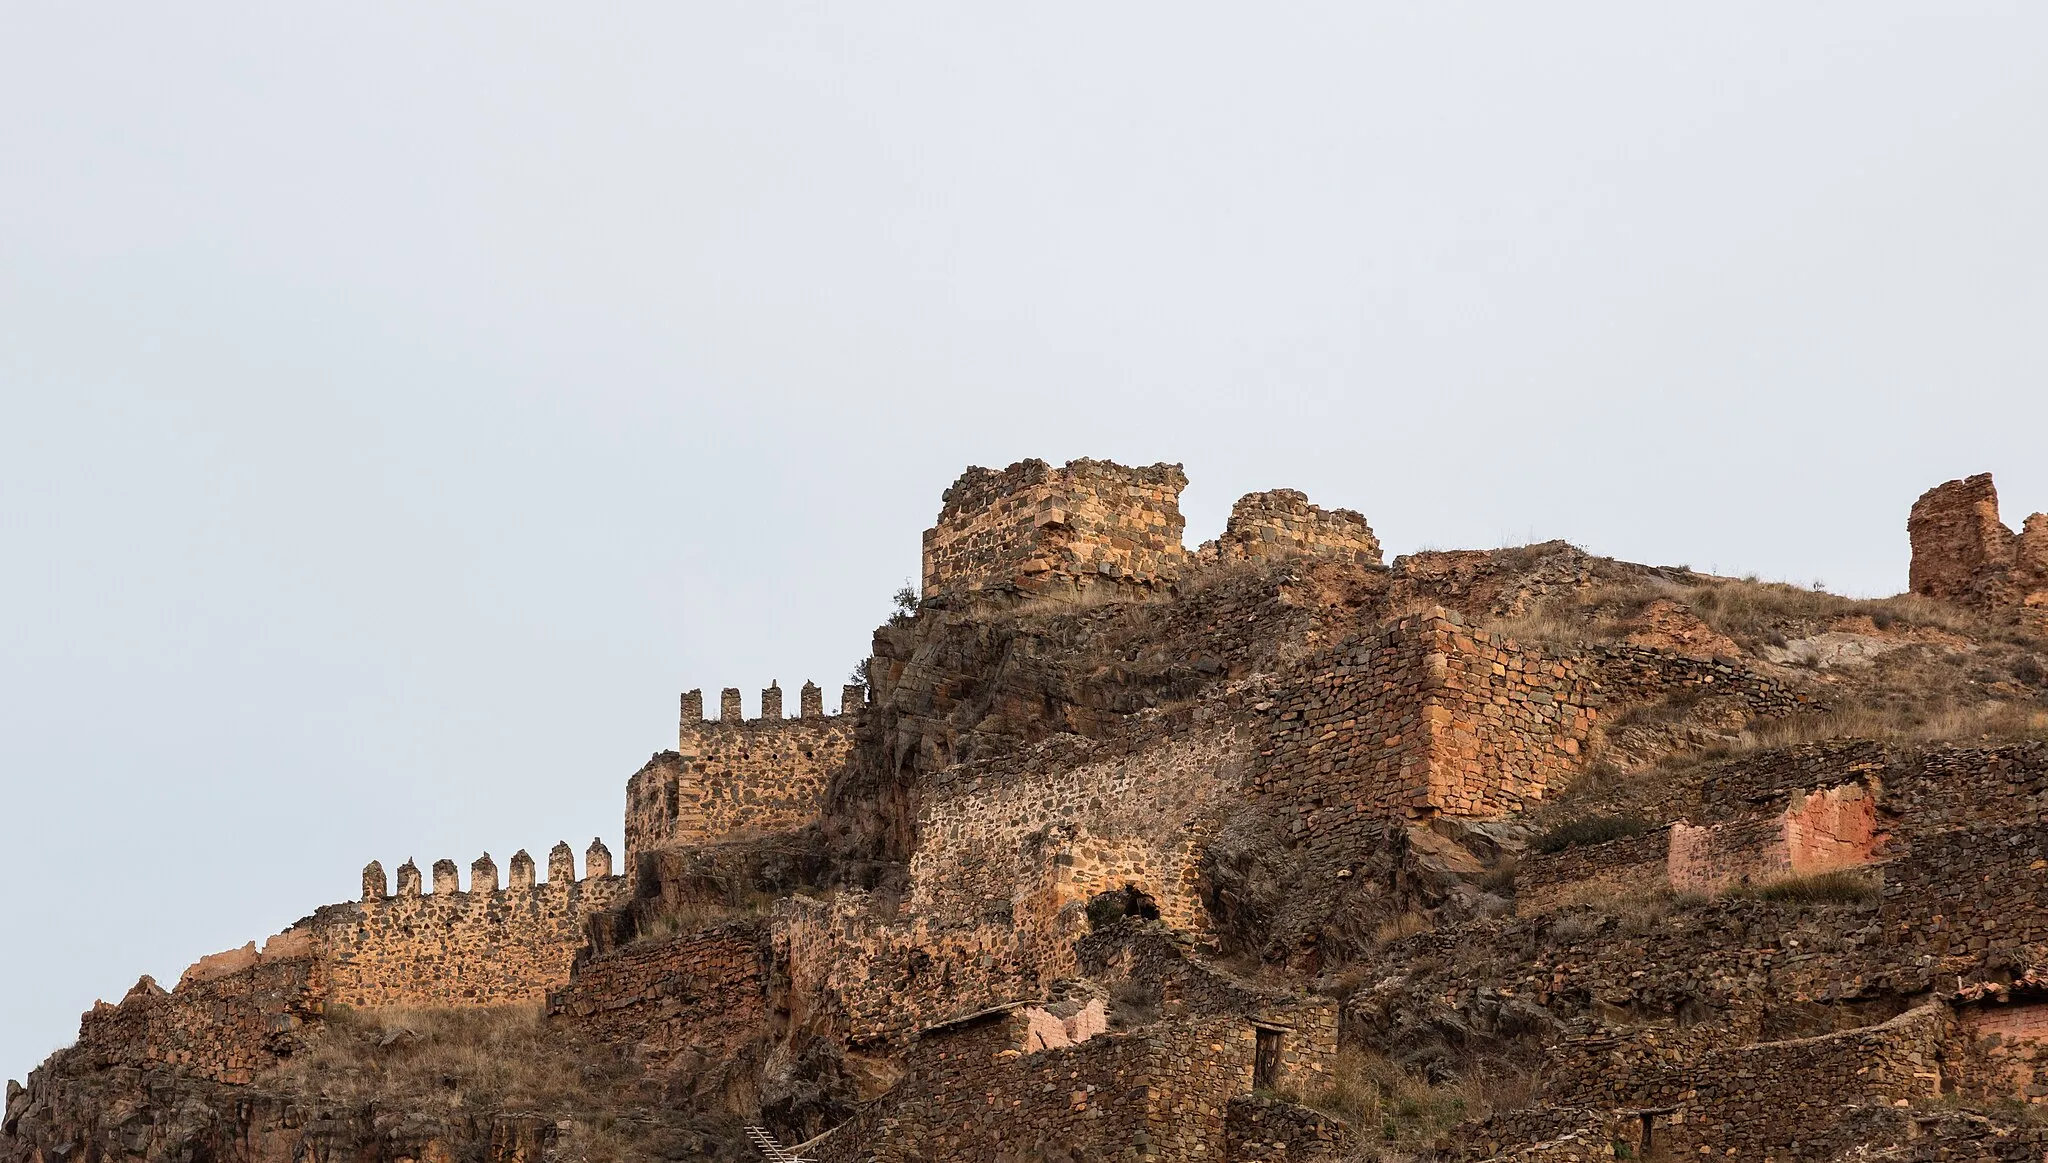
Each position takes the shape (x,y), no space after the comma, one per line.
(1158,1093)
(1055,834)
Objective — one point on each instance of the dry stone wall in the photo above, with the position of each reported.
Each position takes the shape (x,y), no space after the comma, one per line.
(1428,717)
(487,946)
(1158,1093)
(1038,530)
(695,997)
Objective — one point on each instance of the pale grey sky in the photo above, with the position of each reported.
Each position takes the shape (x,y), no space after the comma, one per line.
(400,403)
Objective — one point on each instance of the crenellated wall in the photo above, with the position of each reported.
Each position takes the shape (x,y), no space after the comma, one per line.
(1090,526)
(734,778)
(490,945)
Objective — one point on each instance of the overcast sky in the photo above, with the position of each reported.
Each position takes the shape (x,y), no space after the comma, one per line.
(400,404)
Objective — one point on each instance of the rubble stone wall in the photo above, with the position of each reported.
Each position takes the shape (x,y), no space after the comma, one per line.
(1617,868)
(702,993)
(731,780)
(1265,1128)
(2004,1052)
(880,981)
(226,1028)
(1160,1092)
(1759,1101)
(1136,819)
(1282,523)
(1971,898)
(1048,531)
(1427,717)
(504,947)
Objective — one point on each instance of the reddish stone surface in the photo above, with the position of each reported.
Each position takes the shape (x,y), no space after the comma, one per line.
(1958,540)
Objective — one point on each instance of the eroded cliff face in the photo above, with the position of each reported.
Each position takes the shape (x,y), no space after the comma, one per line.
(1266,851)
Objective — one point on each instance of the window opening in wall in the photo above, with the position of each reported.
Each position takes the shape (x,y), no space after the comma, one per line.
(1266,1060)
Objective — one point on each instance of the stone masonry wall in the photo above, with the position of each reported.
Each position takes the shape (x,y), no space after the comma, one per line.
(1822,831)
(2004,1051)
(1427,717)
(1282,523)
(989,839)
(1779,1100)
(487,946)
(1617,868)
(225,1027)
(698,996)
(1158,1093)
(1971,900)
(1091,525)
(880,981)
(731,779)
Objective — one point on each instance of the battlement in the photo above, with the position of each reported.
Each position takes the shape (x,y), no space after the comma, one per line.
(732,776)
(1038,530)
(483,874)
(810,706)
(1282,523)
(494,944)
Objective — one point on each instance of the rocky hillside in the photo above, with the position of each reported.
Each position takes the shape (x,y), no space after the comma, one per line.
(1263,850)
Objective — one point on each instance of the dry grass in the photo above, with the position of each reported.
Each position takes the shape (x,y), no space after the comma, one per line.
(1843,886)
(1749,611)
(1938,719)
(1390,1106)
(1405,925)
(462,1066)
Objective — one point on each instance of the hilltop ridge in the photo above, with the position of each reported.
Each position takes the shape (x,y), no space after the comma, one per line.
(1268,849)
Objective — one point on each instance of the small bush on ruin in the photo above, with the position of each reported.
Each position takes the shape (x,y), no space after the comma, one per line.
(1590,830)
(1842,886)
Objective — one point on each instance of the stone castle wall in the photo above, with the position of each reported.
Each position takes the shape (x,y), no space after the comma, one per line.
(1045,531)
(735,778)
(487,946)
(226,1026)
(1063,832)
(879,981)
(1427,717)
(694,997)
(1282,523)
